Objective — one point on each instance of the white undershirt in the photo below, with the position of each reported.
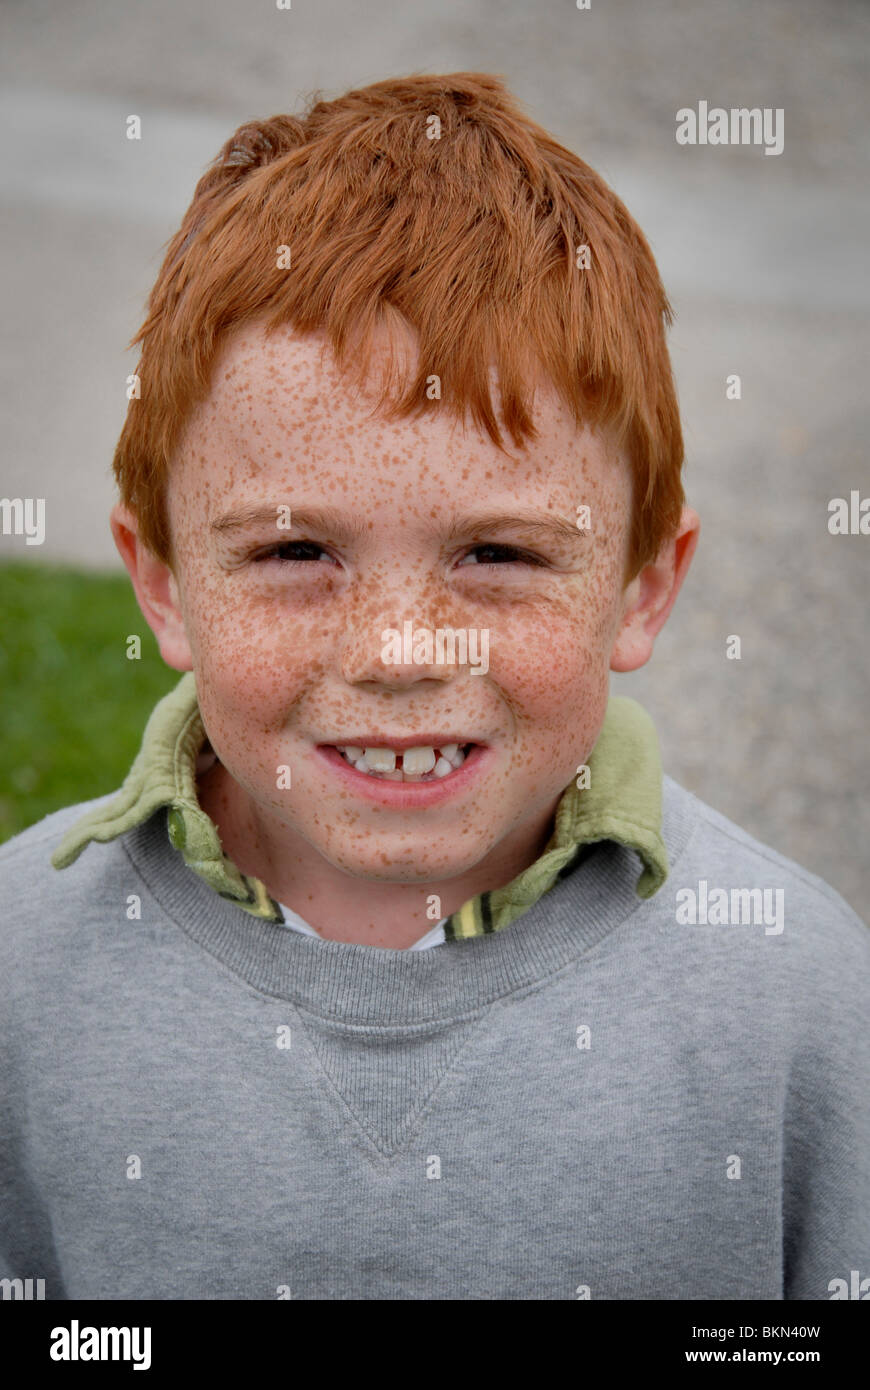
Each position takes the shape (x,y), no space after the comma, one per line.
(435,937)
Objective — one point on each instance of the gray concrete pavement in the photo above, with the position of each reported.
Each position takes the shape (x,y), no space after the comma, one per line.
(764,258)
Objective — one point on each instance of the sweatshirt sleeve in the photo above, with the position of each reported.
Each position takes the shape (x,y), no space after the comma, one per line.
(27,1247)
(826,1157)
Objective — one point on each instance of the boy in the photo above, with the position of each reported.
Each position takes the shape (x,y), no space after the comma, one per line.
(397,969)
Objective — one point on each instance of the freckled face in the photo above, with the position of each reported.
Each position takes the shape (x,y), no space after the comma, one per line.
(286,627)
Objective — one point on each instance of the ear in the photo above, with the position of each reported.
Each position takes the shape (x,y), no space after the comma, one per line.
(156,590)
(650,596)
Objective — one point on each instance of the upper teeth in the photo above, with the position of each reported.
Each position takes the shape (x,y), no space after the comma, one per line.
(416,761)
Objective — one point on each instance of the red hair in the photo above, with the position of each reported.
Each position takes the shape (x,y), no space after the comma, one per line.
(472,237)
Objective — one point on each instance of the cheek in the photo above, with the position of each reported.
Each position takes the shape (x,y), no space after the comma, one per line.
(552,661)
(251,666)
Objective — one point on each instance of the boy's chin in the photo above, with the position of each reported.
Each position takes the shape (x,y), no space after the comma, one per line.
(428,863)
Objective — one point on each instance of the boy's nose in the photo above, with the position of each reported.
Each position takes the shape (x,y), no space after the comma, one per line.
(394,650)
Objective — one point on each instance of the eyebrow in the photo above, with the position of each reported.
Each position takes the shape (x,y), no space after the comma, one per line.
(534,523)
(319,518)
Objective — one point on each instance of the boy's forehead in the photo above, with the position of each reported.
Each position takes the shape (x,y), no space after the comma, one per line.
(281,368)
(279,404)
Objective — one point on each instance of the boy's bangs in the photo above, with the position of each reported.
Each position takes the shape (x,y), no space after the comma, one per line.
(435,204)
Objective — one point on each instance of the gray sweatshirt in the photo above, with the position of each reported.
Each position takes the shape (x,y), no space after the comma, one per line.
(611,1098)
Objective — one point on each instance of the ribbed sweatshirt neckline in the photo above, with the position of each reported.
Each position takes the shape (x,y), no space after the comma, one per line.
(367,985)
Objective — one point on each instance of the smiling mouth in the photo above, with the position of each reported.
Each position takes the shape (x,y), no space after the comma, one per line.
(420,764)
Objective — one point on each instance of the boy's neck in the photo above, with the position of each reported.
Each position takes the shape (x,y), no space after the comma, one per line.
(341,906)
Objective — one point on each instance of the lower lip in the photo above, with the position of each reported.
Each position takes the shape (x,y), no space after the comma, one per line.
(408,794)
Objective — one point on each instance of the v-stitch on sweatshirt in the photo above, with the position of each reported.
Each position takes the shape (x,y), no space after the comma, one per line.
(621,1076)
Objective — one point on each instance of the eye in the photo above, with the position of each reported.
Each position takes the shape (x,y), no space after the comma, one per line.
(279,552)
(503,554)
(488,553)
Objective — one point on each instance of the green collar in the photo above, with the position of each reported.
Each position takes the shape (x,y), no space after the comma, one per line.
(623,802)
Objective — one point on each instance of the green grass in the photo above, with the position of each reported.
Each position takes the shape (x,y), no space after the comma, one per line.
(74,706)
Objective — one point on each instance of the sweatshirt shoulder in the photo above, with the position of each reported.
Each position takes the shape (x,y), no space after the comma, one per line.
(725,856)
(36,899)
(46,833)
(777,956)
